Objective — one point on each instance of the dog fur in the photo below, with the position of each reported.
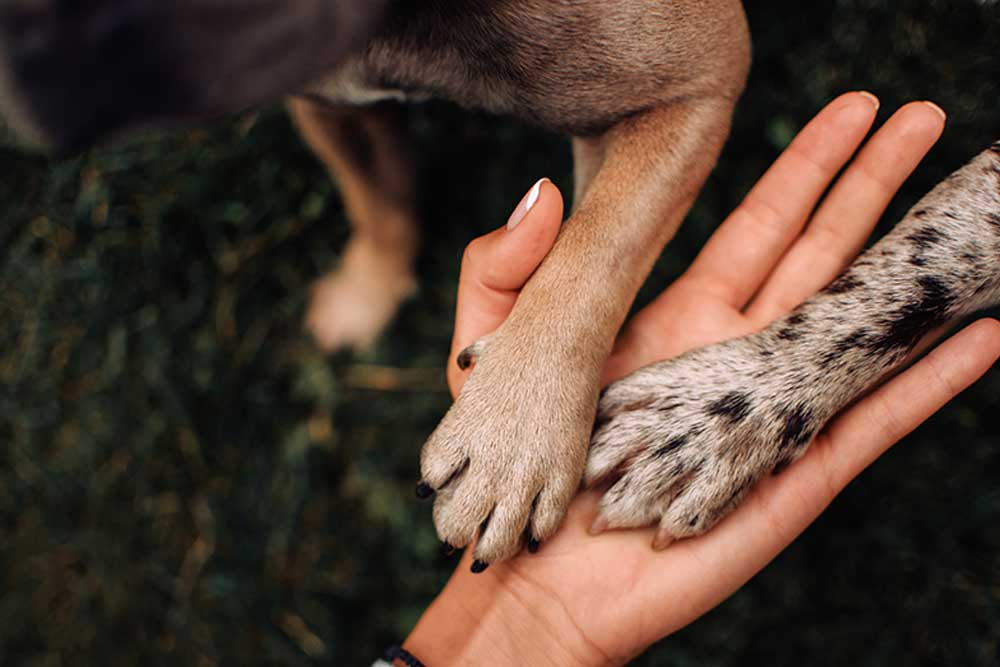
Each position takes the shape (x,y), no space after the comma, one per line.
(646,90)
(686,439)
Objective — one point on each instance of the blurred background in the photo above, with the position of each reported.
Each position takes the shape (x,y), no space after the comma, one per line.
(186,480)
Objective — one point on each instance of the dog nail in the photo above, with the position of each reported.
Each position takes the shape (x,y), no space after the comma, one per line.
(662,540)
(447,550)
(526,205)
(479,567)
(464,360)
(599,526)
(533,545)
(424,491)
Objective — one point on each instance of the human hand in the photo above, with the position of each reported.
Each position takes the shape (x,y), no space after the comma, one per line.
(601,600)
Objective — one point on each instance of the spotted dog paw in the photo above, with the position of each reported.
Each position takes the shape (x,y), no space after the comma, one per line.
(682,441)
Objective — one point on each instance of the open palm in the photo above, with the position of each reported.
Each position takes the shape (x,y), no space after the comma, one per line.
(607,597)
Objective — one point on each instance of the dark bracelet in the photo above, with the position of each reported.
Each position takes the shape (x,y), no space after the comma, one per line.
(400,653)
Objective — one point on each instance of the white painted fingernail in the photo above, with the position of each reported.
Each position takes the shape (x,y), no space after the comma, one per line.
(527,203)
(871,98)
(941,111)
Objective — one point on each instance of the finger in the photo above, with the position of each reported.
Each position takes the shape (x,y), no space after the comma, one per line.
(743,251)
(847,216)
(497,265)
(863,433)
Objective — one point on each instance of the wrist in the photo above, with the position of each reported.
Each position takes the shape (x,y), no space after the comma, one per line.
(498,618)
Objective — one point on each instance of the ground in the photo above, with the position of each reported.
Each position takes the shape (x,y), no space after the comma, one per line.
(185,479)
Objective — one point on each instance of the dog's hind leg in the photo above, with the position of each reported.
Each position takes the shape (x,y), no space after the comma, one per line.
(364,150)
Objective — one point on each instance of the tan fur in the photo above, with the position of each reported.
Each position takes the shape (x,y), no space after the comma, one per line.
(645,87)
(366,156)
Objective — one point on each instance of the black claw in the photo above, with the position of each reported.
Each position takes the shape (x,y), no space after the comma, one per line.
(479,567)
(424,491)
(447,549)
(464,360)
(533,545)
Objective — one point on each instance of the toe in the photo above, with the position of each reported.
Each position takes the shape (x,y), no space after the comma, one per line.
(612,444)
(705,502)
(624,506)
(461,509)
(503,534)
(442,462)
(550,508)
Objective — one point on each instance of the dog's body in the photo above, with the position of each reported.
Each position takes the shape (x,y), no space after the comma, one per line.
(647,91)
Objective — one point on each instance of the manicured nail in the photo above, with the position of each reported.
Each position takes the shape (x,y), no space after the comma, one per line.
(533,545)
(479,567)
(871,98)
(424,491)
(447,550)
(526,205)
(944,116)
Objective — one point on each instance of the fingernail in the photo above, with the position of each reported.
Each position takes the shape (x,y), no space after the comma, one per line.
(424,491)
(447,550)
(479,567)
(944,116)
(533,545)
(527,203)
(871,98)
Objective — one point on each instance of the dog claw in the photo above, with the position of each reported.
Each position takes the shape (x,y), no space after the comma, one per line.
(663,539)
(479,567)
(599,525)
(447,550)
(533,545)
(467,357)
(424,491)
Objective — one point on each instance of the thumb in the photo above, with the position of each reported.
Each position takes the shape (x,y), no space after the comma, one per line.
(496,266)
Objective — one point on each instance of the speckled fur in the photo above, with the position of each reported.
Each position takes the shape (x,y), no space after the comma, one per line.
(684,440)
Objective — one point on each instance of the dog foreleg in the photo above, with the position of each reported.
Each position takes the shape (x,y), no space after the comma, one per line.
(507,458)
(686,439)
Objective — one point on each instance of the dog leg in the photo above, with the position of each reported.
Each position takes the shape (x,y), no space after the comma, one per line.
(364,152)
(687,438)
(508,456)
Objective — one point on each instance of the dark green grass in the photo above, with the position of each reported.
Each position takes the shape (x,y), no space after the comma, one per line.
(184,479)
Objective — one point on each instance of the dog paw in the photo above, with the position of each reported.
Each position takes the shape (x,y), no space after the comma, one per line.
(682,441)
(507,459)
(352,306)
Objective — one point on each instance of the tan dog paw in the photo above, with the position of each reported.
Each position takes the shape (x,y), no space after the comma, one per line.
(506,460)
